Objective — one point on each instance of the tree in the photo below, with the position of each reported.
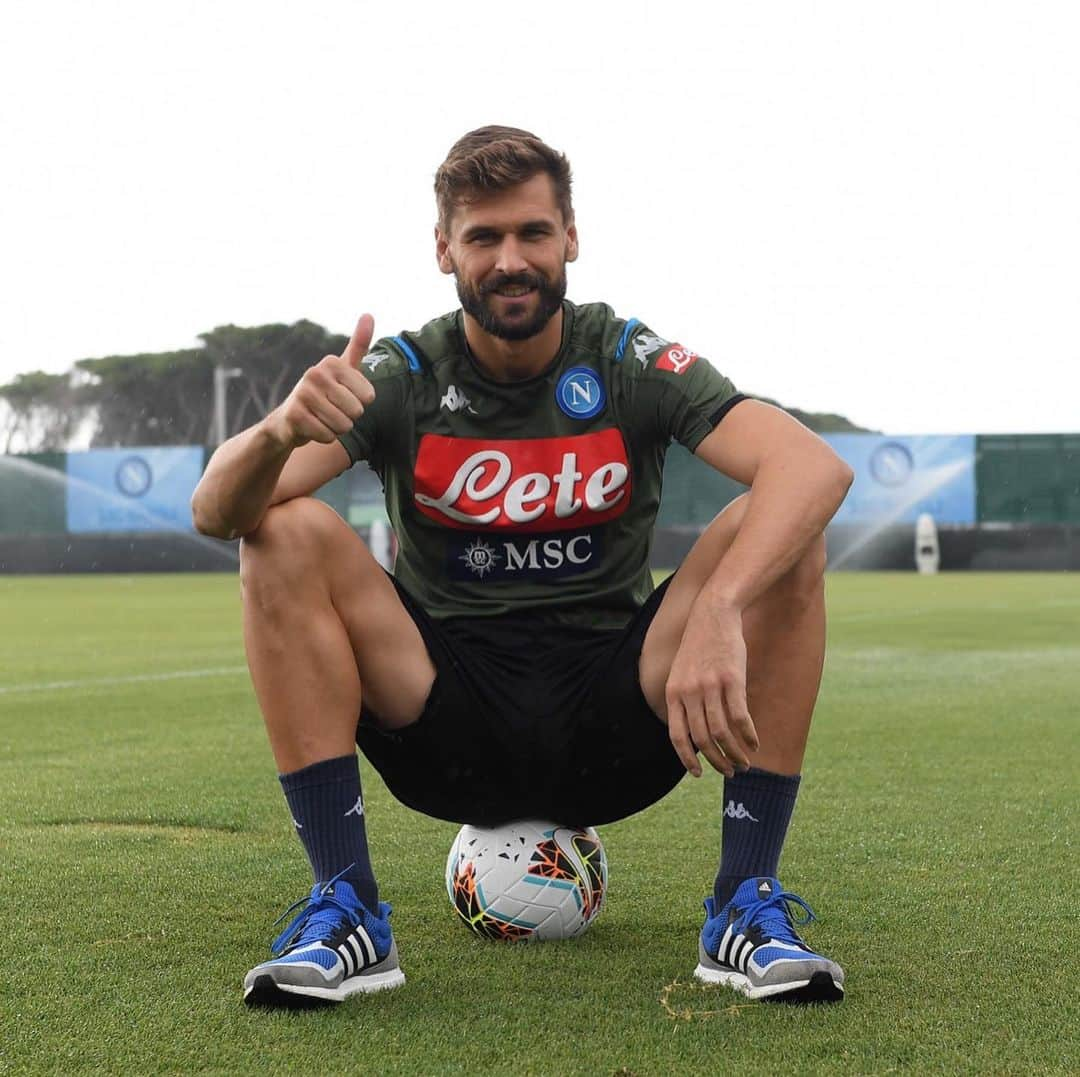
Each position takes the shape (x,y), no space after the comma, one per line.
(167,398)
(272,359)
(43,411)
(149,399)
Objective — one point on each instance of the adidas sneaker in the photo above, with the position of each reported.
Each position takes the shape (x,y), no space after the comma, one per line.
(751,945)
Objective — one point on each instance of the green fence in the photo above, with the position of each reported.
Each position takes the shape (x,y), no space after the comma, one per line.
(1027,478)
(694,492)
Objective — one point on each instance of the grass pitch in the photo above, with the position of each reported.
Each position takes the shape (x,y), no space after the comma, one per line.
(145,851)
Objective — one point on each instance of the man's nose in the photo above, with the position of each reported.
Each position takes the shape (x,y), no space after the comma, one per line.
(511,259)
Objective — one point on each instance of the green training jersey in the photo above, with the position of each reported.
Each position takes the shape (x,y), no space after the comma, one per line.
(537,494)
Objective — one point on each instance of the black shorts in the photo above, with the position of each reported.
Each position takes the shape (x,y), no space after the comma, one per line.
(528,719)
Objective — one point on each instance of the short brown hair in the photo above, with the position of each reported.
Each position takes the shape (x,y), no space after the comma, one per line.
(494,158)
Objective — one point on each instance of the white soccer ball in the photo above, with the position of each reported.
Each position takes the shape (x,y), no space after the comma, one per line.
(527,881)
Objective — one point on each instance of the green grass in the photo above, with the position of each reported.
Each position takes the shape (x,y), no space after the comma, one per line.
(145,851)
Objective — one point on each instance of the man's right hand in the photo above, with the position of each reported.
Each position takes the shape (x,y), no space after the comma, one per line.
(329,398)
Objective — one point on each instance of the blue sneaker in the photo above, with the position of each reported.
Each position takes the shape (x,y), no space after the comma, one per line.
(751,945)
(333,948)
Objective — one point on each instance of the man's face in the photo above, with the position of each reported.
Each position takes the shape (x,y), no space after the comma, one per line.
(508,253)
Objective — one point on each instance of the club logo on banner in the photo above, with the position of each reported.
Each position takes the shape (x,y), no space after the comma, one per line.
(132,489)
(897,479)
(134,476)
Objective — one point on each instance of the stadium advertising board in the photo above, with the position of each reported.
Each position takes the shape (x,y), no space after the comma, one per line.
(898,478)
(132,489)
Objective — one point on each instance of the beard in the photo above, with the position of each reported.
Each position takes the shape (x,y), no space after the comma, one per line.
(474,301)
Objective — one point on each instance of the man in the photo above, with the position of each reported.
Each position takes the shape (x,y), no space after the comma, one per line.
(519,663)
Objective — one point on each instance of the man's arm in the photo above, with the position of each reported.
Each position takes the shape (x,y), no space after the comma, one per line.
(291,452)
(796,485)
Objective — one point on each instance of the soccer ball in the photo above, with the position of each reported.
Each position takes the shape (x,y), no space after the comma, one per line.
(527,881)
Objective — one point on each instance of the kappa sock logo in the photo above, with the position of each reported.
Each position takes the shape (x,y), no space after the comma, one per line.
(357,809)
(299,826)
(737,811)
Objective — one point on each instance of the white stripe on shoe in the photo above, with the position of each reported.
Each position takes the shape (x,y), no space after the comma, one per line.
(369,946)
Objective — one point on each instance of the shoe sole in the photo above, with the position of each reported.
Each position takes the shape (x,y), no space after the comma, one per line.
(820,987)
(267,992)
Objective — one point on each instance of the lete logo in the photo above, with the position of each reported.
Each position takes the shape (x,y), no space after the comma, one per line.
(544,484)
(677,359)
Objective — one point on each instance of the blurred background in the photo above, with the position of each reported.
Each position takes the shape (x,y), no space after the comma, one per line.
(865,213)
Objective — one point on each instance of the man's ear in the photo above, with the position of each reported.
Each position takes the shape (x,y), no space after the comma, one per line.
(571,243)
(442,251)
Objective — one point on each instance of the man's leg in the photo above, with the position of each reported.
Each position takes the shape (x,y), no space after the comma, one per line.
(785,641)
(324,629)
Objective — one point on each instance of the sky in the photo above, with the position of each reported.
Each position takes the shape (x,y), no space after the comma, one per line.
(852,207)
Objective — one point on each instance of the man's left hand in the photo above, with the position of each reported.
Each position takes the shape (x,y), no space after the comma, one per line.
(706,694)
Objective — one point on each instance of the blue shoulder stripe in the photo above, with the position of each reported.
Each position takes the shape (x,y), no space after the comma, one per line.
(407,348)
(625,338)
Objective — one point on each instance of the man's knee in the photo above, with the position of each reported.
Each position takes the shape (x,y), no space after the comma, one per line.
(293,540)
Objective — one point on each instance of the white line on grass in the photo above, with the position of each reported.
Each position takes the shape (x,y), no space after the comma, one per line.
(108,682)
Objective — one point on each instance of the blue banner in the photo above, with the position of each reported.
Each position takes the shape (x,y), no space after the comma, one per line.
(137,489)
(897,478)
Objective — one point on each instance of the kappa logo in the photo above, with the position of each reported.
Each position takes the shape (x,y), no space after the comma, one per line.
(645,345)
(733,811)
(456,400)
(357,809)
(534,484)
(677,359)
(299,826)
(373,359)
(580,393)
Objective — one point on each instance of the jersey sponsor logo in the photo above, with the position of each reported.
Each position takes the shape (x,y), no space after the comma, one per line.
(456,400)
(538,484)
(580,393)
(506,558)
(645,345)
(677,359)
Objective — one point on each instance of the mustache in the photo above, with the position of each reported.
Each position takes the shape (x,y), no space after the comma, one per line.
(513,280)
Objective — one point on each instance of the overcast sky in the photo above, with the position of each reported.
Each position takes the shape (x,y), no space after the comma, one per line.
(858,207)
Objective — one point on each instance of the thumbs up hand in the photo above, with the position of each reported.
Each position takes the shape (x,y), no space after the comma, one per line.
(329,397)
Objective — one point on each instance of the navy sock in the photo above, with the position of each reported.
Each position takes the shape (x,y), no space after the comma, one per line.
(328,813)
(757,809)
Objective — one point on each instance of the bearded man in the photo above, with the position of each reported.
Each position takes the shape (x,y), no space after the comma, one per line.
(519,662)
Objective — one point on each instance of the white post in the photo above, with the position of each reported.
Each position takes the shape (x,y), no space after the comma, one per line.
(927,552)
(222,376)
(379,543)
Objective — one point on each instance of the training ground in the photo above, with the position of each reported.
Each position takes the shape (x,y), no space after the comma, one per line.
(145,851)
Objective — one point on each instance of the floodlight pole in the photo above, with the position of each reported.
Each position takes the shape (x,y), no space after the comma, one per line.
(222,376)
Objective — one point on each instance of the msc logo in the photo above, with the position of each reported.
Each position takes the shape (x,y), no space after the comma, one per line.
(579,393)
(524,556)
